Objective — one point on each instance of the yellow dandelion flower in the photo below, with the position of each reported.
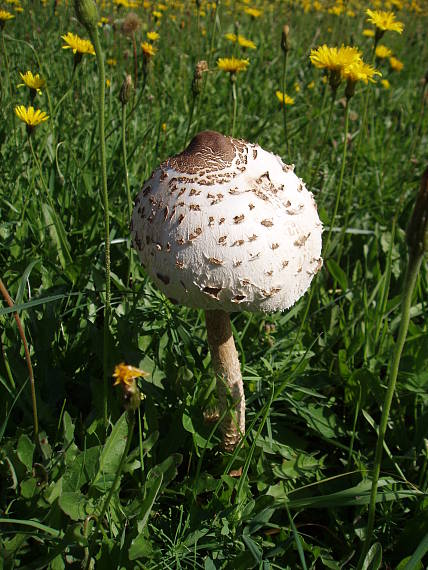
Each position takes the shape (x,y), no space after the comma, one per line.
(232,64)
(384,21)
(382,51)
(253,12)
(336,10)
(284,98)
(34,82)
(153,36)
(350,13)
(156,14)
(231,37)
(78,45)
(243,42)
(103,21)
(4,16)
(296,87)
(311,85)
(385,83)
(318,7)
(126,374)
(30,116)
(108,83)
(111,61)
(396,64)
(359,71)
(333,58)
(368,33)
(148,49)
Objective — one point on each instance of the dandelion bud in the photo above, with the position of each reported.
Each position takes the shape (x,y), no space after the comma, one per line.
(87,13)
(126,90)
(350,89)
(285,44)
(417,230)
(200,68)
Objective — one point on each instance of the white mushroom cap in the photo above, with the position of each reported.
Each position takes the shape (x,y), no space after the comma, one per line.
(226,225)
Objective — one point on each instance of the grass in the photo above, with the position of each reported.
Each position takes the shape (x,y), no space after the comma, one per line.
(315,376)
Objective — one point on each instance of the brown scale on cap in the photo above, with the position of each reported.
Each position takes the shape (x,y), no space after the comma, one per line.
(267,223)
(302,240)
(208,152)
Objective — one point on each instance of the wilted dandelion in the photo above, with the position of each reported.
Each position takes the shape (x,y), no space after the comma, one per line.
(382,52)
(30,116)
(125,374)
(77,44)
(131,24)
(396,64)
(34,82)
(125,377)
(283,98)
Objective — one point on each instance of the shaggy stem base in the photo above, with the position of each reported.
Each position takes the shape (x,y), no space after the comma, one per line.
(229,379)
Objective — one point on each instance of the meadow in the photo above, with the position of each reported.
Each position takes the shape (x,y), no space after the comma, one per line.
(94,477)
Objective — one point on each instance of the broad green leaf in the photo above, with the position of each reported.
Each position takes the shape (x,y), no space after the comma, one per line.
(28,487)
(373,559)
(58,235)
(112,452)
(149,500)
(68,428)
(338,274)
(140,547)
(73,505)
(25,451)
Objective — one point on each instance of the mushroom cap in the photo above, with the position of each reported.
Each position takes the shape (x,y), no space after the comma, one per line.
(227,225)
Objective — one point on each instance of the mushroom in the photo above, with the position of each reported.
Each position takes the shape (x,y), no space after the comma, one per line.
(226,226)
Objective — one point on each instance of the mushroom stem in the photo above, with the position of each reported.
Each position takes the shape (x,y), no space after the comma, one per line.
(229,379)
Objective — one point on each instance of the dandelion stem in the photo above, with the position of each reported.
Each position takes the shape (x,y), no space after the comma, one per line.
(125,163)
(10,302)
(107,307)
(192,108)
(128,189)
(235,104)
(6,60)
(413,267)
(342,170)
(324,140)
(140,444)
(284,111)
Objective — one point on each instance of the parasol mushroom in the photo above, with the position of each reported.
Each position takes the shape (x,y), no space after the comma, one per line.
(225,226)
